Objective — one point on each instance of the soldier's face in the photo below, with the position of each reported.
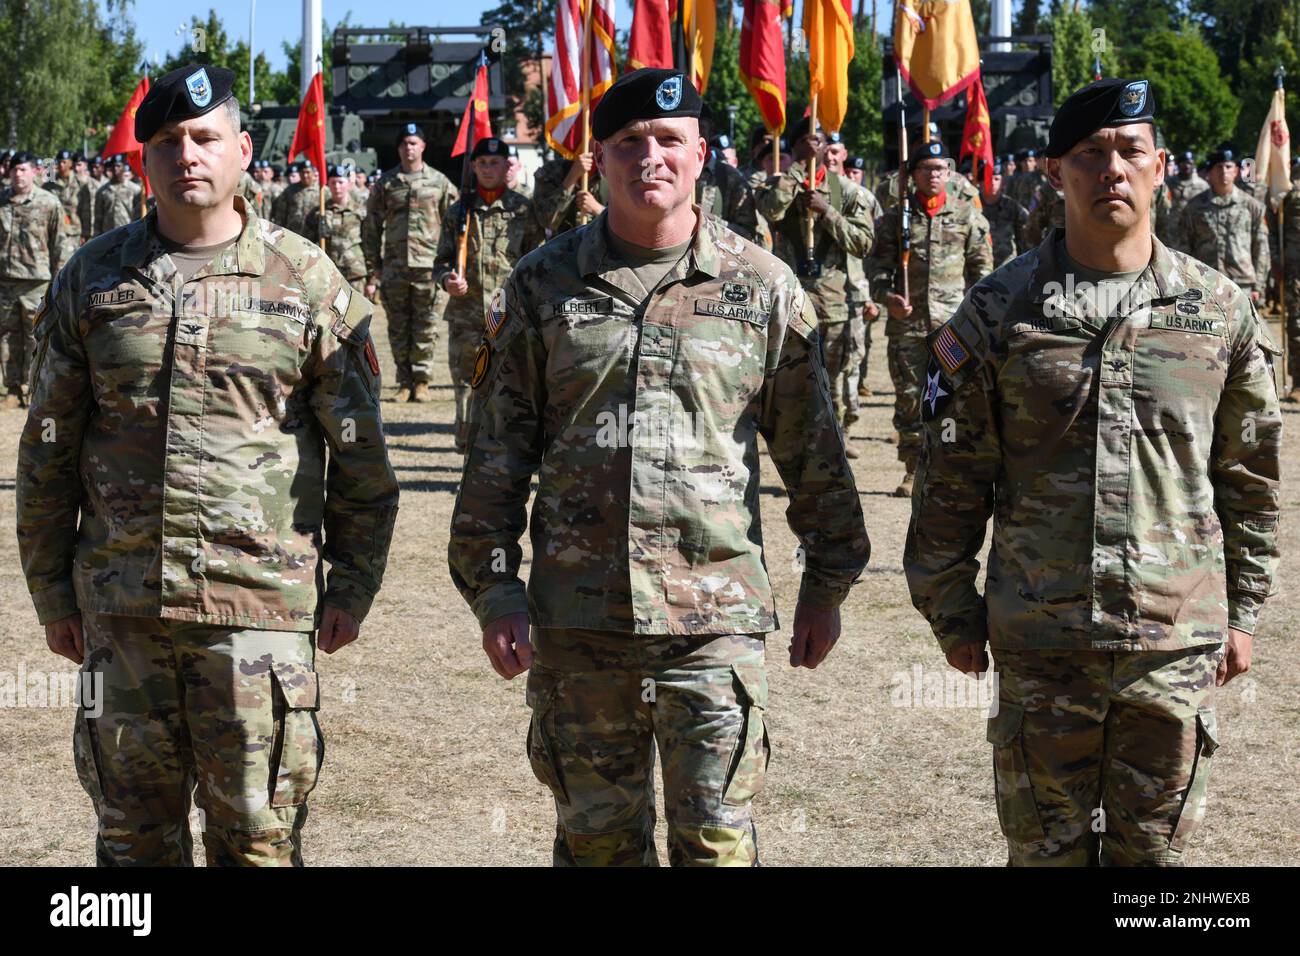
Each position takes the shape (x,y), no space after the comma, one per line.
(1186,169)
(118,172)
(21,176)
(809,146)
(490,171)
(856,176)
(340,189)
(1010,168)
(295,176)
(65,167)
(1221,177)
(1110,177)
(80,167)
(930,177)
(1030,163)
(653,164)
(995,184)
(197,163)
(836,154)
(513,169)
(411,150)
(309,177)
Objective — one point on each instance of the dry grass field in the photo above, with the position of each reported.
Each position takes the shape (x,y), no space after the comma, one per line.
(425,758)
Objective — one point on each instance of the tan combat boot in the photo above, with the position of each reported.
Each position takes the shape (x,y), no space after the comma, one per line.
(13,400)
(403,394)
(850,451)
(905,489)
(420,393)
(1293,395)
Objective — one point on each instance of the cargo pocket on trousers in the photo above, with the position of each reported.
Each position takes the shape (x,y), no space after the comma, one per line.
(747,768)
(1193,809)
(1017,810)
(85,741)
(298,749)
(543,686)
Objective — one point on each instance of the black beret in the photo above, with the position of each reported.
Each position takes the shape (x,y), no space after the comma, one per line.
(1113,102)
(512,150)
(78,157)
(1226,153)
(117,159)
(339,172)
(923,151)
(721,141)
(1009,158)
(997,167)
(373,178)
(643,95)
(409,129)
(97,161)
(182,94)
(22,157)
(857,162)
(488,146)
(706,114)
(755,138)
(62,155)
(834,137)
(1188,157)
(801,129)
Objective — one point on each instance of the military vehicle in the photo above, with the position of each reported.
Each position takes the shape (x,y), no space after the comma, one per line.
(382,79)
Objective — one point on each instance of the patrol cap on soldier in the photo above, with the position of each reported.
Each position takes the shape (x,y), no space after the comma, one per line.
(488,146)
(644,94)
(409,129)
(181,94)
(923,151)
(1112,102)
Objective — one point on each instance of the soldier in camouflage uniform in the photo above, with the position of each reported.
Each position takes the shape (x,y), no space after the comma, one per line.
(515,175)
(404,218)
(860,288)
(647,593)
(251,190)
(559,198)
(950,252)
(34,244)
(360,189)
(271,187)
(118,201)
(172,532)
(1182,190)
(502,228)
(1286,260)
(722,191)
(292,186)
(1224,227)
(1007,219)
(74,198)
(1029,185)
(299,201)
(1096,415)
(86,186)
(1049,214)
(844,225)
(340,227)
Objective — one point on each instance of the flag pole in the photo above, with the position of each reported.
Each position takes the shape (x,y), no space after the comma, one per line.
(320,182)
(904,199)
(586,94)
(1281,239)
(812,182)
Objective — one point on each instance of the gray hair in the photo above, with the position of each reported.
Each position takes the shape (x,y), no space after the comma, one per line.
(231,106)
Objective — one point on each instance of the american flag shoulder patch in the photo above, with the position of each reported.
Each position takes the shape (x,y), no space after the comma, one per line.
(949,349)
(496,315)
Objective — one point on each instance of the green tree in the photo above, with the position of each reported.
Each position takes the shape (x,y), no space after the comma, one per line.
(1197,110)
(1237,30)
(1258,82)
(208,42)
(1075,47)
(863,133)
(1128,22)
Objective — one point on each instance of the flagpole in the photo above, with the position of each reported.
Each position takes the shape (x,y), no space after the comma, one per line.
(1281,239)
(812,181)
(586,95)
(321,184)
(904,199)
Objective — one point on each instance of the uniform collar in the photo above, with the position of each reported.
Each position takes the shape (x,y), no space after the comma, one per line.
(1161,276)
(703,256)
(246,257)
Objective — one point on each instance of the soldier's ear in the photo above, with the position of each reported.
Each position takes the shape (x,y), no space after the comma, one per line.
(1052,165)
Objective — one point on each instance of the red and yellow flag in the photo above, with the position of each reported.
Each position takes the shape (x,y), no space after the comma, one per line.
(699,26)
(309,134)
(976,136)
(936,48)
(650,44)
(762,60)
(122,139)
(476,112)
(828,28)
(564,94)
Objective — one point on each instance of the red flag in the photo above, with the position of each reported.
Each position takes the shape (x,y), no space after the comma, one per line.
(762,60)
(476,112)
(976,136)
(309,134)
(122,139)
(651,43)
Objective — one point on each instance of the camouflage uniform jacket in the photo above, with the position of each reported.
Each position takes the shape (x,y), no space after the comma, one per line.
(1181,192)
(33,244)
(296,207)
(958,187)
(1289,254)
(75,202)
(192,431)
(499,236)
(556,205)
(722,191)
(644,522)
(280,205)
(116,204)
(951,251)
(858,285)
(1130,465)
(404,219)
(841,233)
(341,230)
(1007,219)
(251,190)
(1227,233)
(1049,214)
(1029,188)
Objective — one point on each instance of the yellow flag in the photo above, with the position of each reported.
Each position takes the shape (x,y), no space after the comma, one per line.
(936,49)
(1273,152)
(700,20)
(828,29)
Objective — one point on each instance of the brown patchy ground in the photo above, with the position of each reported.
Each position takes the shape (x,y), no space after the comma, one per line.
(425,760)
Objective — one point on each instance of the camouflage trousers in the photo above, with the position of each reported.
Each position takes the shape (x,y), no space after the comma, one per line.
(867,328)
(464,335)
(908,356)
(231,711)
(603,701)
(841,345)
(1100,756)
(1292,327)
(20,300)
(412,306)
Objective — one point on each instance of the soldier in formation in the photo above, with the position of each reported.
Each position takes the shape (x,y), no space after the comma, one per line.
(340,226)
(628,358)
(72,194)
(117,202)
(181,564)
(1224,227)
(404,221)
(950,252)
(1007,220)
(1090,398)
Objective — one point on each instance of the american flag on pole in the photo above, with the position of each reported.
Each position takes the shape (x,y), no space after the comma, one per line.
(564,94)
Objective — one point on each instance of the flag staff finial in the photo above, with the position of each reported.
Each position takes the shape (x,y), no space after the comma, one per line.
(1280,75)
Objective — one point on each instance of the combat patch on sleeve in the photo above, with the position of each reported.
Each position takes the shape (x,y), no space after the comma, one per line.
(371,358)
(496,314)
(937,395)
(951,352)
(482,361)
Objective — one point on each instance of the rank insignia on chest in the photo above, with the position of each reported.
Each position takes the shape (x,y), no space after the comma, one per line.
(482,358)
(949,350)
